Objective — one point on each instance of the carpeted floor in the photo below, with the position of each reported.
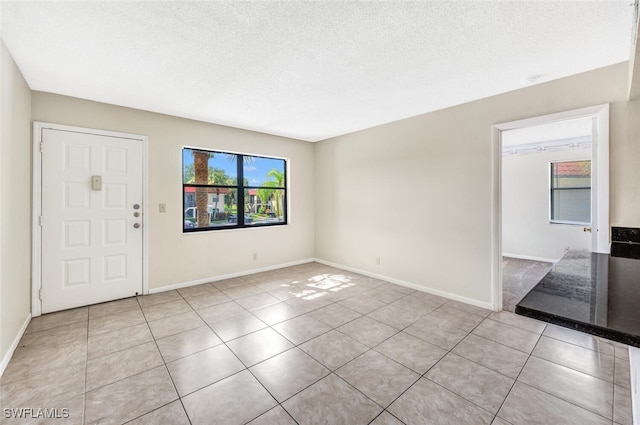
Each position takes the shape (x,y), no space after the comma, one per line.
(519,277)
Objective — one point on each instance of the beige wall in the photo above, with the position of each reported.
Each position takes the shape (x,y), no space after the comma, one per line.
(526,230)
(437,169)
(625,172)
(175,257)
(15,201)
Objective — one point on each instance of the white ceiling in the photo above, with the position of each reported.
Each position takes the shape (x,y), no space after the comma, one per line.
(307,70)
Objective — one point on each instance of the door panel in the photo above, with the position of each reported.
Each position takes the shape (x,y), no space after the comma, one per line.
(91,251)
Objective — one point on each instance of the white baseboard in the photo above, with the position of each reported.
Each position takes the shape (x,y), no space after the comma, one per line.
(227,276)
(428,290)
(432,291)
(634,361)
(528,257)
(7,357)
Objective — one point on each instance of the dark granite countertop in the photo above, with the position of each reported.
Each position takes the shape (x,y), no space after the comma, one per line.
(590,292)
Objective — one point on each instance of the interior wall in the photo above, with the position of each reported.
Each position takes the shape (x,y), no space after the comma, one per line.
(625,172)
(437,169)
(526,230)
(176,257)
(15,201)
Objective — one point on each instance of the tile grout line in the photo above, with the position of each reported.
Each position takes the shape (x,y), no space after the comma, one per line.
(519,373)
(240,371)
(450,351)
(537,356)
(294,346)
(578,345)
(166,368)
(549,394)
(420,376)
(566,401)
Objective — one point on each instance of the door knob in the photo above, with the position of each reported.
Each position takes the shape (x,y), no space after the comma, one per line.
(136,225)
(136,214)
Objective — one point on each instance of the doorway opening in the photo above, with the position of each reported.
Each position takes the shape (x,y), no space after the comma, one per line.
(552,196)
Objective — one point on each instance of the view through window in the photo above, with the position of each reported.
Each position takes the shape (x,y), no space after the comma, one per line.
(571,192)
(215,183)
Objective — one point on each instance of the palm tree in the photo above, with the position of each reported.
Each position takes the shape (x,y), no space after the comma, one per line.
(264,194)
(278,181)
(201,176)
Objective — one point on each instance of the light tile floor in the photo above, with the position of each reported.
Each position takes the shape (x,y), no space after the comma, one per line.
(312,344)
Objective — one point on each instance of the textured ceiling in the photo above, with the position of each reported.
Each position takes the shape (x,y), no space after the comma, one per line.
(307,70)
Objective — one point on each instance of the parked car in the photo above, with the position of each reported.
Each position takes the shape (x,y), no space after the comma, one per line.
(191,213)
(233,218)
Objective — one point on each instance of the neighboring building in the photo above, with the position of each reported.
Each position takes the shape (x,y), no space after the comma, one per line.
(215,202)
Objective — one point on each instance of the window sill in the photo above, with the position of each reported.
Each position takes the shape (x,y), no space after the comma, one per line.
(569,223)
(230,229)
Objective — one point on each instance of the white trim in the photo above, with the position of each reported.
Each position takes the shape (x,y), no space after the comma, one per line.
(328,263)
(228,276)
(600,156)
(36,235)
(409,284)
(496,220)
(7,357)
(528,257)
(146,208)
(589,111)
(36,248)
(634,367)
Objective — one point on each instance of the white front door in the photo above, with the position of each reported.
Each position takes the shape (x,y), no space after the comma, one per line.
(91,218)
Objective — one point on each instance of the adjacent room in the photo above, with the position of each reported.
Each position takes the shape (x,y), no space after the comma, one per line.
(546,200)
(350,212)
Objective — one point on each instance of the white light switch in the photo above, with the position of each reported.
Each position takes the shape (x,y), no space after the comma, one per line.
(163,207)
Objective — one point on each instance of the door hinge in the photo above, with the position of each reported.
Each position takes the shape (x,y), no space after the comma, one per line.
(41,146)
(40,220)
(41,294)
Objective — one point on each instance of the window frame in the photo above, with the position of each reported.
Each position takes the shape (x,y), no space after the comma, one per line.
(240,187)
(552,190)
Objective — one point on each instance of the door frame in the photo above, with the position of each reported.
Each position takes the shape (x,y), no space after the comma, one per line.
(599,174)
(36,229)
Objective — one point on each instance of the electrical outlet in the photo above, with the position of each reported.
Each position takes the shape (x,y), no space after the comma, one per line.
(378,260)
(255,256)
(162,207)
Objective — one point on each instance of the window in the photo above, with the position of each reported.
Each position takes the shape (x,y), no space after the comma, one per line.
(571,192)
(215,183)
